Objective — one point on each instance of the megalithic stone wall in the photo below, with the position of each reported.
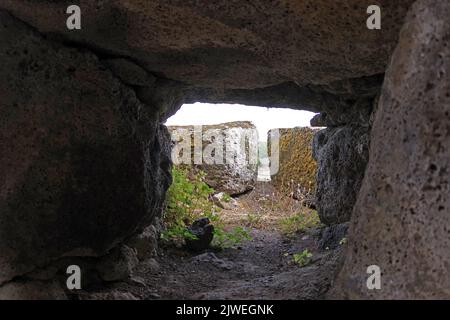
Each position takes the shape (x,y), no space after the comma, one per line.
(401,220)
(297,171)
(235,141)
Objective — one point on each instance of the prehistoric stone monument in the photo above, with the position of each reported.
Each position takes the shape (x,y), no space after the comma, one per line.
(227,153)
(297,170)
(85,159)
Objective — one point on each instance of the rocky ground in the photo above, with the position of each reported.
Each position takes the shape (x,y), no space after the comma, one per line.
(260,268)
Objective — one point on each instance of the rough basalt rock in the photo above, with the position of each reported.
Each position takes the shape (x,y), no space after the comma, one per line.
(81,167)
(232,151)
(401,218)
(357,114)
(312,46)
(342,155)
(203,231)
(84,161)
(333,237)
(145,243)
(32,290)
(297,169)
(119,264)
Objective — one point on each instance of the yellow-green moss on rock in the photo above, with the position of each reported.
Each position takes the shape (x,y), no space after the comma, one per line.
(296,175)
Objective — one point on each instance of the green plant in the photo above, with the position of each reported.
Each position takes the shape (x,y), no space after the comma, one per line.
(226,197)
(188,199)
(300,222)
(302,259)
(223,239)
(343,241)
(252,220)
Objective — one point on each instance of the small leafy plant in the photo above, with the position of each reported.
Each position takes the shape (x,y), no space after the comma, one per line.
(300,222)
(226,197)
(252,220)
(223,239)
(302,259)
(188,199)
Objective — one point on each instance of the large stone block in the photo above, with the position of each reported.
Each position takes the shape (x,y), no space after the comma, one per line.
(233,44)
(81,167)
(297,169)
(401,220)
(227,153)
(342,155)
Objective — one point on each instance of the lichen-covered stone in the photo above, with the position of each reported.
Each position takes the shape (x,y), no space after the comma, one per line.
(232,166)
(296,175)
(401,219)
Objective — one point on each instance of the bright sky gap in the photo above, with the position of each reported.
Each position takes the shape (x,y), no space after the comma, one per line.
(263,118)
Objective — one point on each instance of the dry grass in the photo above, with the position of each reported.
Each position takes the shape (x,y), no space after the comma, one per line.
(266,208)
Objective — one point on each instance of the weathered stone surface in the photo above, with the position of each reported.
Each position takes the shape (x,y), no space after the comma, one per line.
(231,44)
(47,273)
(145,243)
(311,54)
(401,219)
(229,156)
(148,266)
(333,237)
(357,114)
(203,231)
(84,162)
(32,290)
(296,175)
(342,155)
(118,264)
(130,73)
(224,201)
(81,167)
(113,294)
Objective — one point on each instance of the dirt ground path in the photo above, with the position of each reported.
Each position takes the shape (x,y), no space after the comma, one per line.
(260,268)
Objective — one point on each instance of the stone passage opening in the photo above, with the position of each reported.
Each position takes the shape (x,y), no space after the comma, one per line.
(85,157)
(263,119)
(241,229)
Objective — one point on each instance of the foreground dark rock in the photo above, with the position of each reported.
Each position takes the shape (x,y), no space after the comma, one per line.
(401,218)
(342,154)
(79,173)
(333,237)
(203,231)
